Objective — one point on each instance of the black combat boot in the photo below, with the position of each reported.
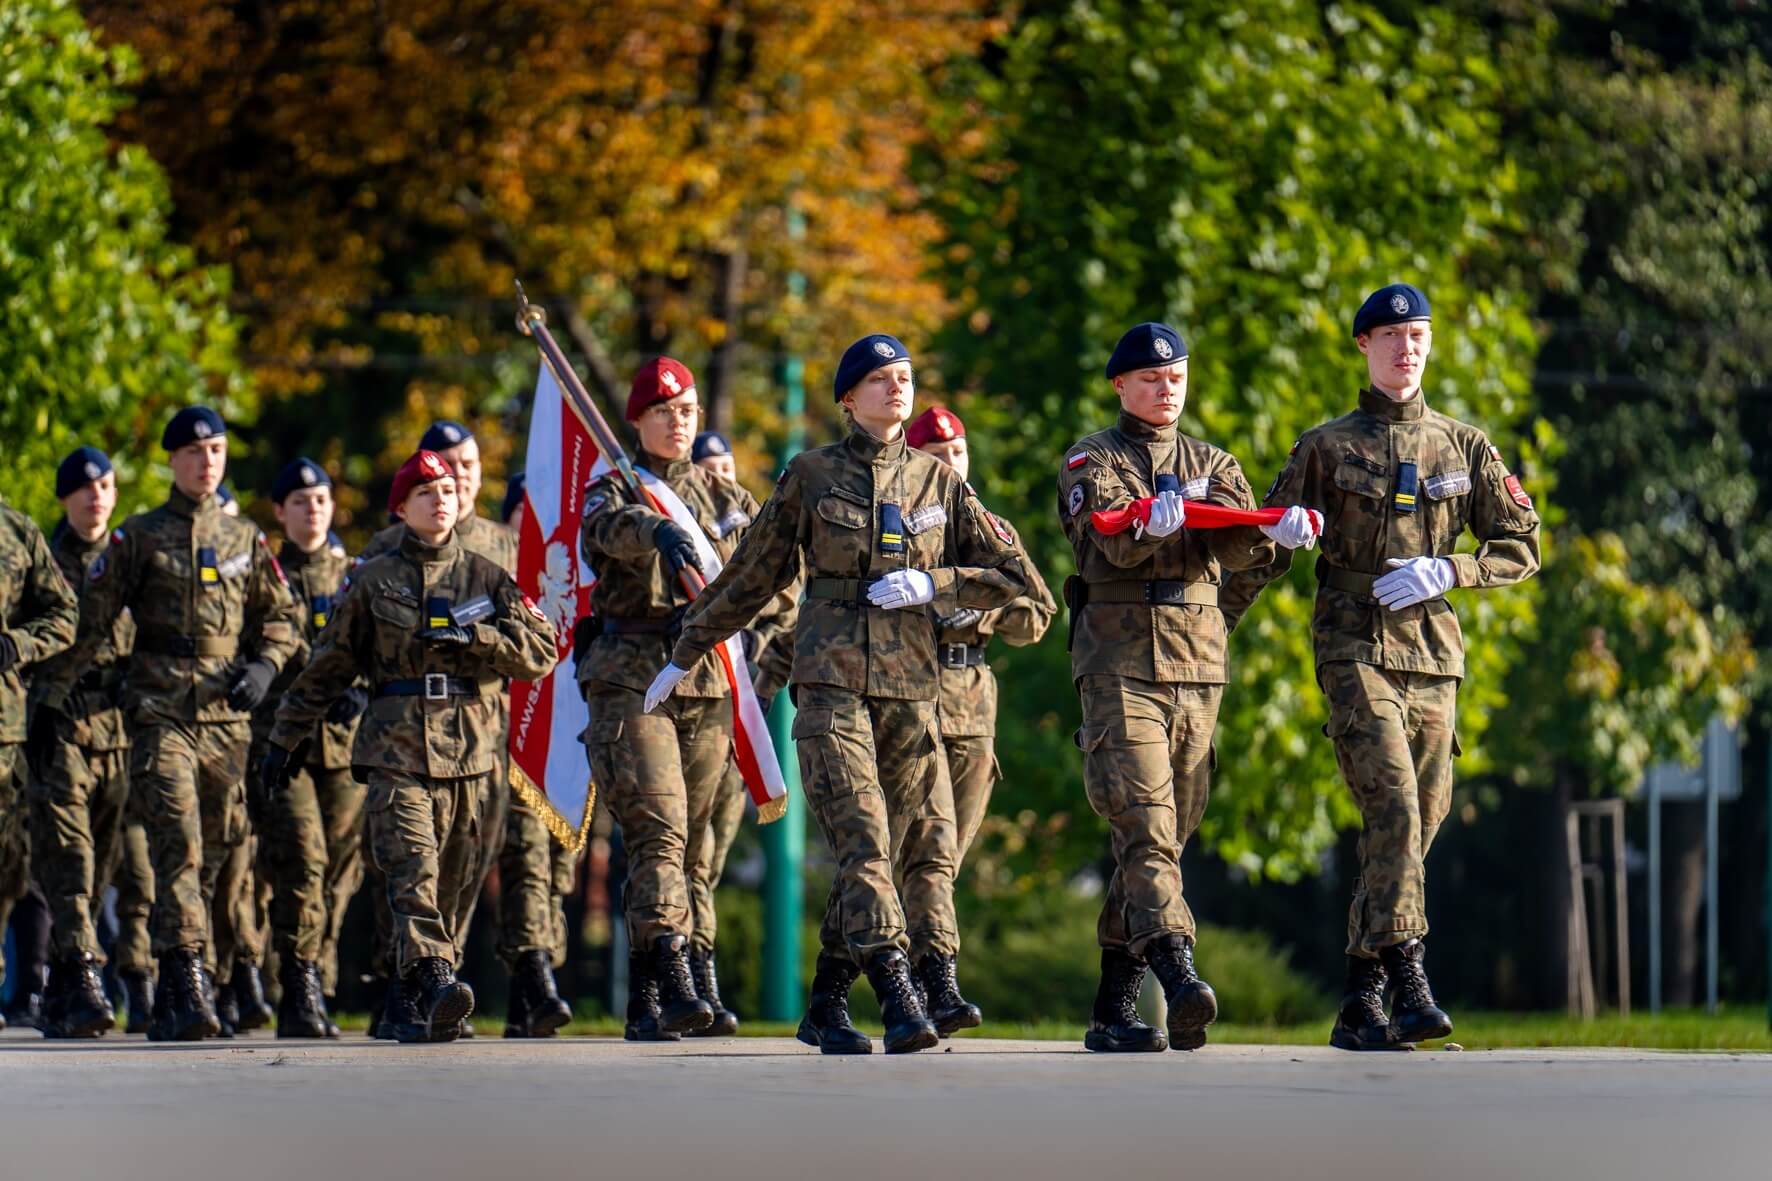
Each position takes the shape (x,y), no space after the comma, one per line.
(1192,1004)
(1414,1016)
(1360,1023)
(138,999)
(76,1005)
(25,1009)
(826,1024)
(381,1020)
(399,1012)
(248,987)
(679,1009)
(433,1003)
(535,1008)
(938,987)
(182,1008)
(908,1028)
(707,986)
(1114,1024)
(301,1011)
(642,1023)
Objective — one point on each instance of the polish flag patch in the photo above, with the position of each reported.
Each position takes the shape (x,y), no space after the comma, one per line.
(1076,461)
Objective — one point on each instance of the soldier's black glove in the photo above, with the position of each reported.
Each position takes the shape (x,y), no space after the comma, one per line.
(275,770)
(41,739)
(452,636)
(251,684)
(960,620)
(675,546)
(349,706)
(8,652)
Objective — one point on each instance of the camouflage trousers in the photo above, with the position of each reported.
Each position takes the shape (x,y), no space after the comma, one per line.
(242,899)
(311,851)
(1147,770)
(1394,740)
(189,780)
(15,838)
(658,772)
(970,764)
(863,762)
(707,857)
(967,769)
(134,878)
(535,874)
(424,834)
(78,805)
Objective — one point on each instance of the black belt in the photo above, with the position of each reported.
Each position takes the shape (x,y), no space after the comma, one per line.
(843,590)
(431,687)
(1353,582)
(959,655)
(640,627)
(1157,592)
(99,680)
(169,644)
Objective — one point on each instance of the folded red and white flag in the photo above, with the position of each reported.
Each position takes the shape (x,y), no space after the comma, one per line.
(1200,515)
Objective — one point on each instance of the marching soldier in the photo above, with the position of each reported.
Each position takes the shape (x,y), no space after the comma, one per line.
(79,762)
(1398,483)
(311,832)
(967,712)
(1148,657)
(38,618)
(883,531)
(435,630)
(214,624)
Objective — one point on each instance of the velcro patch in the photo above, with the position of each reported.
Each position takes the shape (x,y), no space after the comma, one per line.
(927,517)
(1075,503)
(1518,493)
(1076,461)
(235,566)
(593,506)
(472,611)
(1447,484)
(1003,533)
(1196,488)
(529,603)
(731,522)
(96,571)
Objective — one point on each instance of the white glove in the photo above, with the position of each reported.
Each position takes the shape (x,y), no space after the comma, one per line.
(1168,513)
(902,588)
(1293,530)
(1414,580)
(663,684)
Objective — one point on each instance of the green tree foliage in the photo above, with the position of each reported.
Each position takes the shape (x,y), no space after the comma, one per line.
(1249,177)
(104,324)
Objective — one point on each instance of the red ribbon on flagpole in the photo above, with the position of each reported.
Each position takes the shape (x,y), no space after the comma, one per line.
(1200,515)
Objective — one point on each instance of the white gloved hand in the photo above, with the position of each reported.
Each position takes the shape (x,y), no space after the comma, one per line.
(1168,513)
(663,684)
(902,588)
(1294,529)
(1414,580)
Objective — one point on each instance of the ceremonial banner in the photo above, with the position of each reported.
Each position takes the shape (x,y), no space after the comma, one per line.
(1200,515)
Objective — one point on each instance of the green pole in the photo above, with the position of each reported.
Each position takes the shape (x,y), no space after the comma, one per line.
(1769,881)
(784,842)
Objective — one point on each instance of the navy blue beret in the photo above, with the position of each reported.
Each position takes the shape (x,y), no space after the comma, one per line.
(865,356)
(514,489)
(190,425)
(1147,346)
(709,443)
(1395,304)
(443,435)
(82,466)
(303,473)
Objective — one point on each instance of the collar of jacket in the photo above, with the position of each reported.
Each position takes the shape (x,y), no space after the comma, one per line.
(872,449)
(1389,409)
(664,469)
(423,552)
(292,557)
(185,506)
(63,539)
(1146,432)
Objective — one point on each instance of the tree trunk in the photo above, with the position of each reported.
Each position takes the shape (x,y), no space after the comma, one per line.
(1683,856)
(716,382)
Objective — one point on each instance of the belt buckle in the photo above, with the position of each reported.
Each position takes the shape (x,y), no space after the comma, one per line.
(436,686)
(953,655)
(1150,593)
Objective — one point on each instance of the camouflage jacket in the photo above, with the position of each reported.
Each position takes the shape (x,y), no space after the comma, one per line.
(1354,469)
(38,612)
(374,633)
(967,704)
(832,511)
(207,597)
(317,582)
(95,707)
(477,535)
(635,590)
(1171,642)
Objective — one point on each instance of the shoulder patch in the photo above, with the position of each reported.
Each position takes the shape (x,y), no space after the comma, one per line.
(117,534)
(1295,444)
(593,506)
(1076,461)
(1517,492)
(96,571)
(1075,504)
(529,605)
(1003,532)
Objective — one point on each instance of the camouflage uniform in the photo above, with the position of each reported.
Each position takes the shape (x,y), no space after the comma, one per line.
(658,772)
(1148,656)
(707,858)
(207,597)
(865,676)
(80,792)
(311,832)
(39,614)
(133,953)
(497,545)
(432,736)
(1391,677)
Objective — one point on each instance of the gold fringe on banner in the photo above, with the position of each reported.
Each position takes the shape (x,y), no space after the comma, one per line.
(772,811)
(557,824)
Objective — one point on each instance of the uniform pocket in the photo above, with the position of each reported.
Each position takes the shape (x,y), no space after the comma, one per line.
(1359,514)
(813,723)
(843,513)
